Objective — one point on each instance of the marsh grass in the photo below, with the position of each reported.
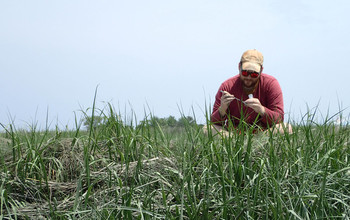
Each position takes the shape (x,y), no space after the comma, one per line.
(118,171)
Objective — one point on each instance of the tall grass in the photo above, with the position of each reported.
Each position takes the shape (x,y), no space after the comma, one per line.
(146,171)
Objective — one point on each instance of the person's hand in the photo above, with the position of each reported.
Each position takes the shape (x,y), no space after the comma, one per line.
(226,99)
(255,104)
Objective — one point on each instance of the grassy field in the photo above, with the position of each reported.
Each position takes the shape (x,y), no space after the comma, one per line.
(115,171)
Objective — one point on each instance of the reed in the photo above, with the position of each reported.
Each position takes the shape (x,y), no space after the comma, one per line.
(147,171)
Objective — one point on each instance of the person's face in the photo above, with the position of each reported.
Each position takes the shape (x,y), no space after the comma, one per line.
(249,78)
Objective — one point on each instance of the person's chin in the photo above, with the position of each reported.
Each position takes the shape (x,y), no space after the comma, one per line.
(248,85)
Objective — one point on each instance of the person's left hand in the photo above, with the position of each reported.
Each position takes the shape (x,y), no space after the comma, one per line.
(255,104)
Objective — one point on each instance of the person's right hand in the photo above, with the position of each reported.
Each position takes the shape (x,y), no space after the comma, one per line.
(226,99)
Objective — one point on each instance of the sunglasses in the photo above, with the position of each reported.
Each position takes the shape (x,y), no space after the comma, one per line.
(252,74)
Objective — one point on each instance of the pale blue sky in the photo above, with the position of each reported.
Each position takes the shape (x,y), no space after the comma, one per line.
(165,54)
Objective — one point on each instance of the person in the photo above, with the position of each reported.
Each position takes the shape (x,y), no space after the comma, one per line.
(251,97)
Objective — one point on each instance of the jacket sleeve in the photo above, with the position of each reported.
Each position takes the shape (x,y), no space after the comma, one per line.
(274,112)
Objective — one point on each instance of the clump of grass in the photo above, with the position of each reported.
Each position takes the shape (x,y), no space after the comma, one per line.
(147,171)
